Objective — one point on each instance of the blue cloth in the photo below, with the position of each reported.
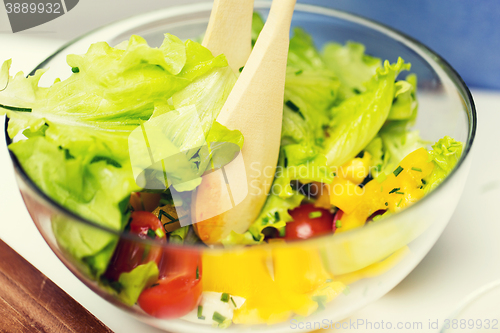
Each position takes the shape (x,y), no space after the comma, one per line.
(465,33)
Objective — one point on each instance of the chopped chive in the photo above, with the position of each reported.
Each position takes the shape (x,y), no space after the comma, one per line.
(13,108)
(394,190)
(356,91)
(338,224)
(400,192)
(399,203)
(329,280)
(200,312)
(224,297)
(197,273)
(151,233)
(234,303)
(319,298)
(108,161)
(282,232)
(398,171)
(417,169)
(241,69)
(292,106)
(299,72)
(424,182)
(218,317)
(159,233)
(314,215)
(75,69)
(387,204)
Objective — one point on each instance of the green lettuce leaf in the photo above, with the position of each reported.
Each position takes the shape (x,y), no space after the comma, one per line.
(357,120)
(445,154)
(111,87)
(351,65)
(257,25)
(178,235)
(303,53)
(78,130)
(92,186)
(135,281)
(4,74)
(392,144)
(404,105)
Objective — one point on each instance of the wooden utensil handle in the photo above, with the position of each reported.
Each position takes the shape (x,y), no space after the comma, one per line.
(30,302)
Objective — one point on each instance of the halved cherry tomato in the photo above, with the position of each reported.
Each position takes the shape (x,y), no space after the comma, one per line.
(171,297)
(129,254)
(179,288)
(309,221)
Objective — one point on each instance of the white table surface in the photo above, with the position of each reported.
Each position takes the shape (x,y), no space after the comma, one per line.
(466,257)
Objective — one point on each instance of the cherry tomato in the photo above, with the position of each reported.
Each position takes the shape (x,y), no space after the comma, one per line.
(171,297)
(309,221)
(179,288)
(337,217)
(129,253)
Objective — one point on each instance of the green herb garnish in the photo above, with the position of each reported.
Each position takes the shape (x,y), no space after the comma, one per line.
(299,72)
(12,108)
(294,108)
(234,303)
(241,69)
(151,234)
(417,169)
(394,190)
(75,69)
(400,192)
(399,203)
(108,161)
(314,215)
(218,317)
(321,299)
(200,313)
(424,182)
(387,204)
(224,297)
(282,232)
(398,171)
(338,224)
(159,233)
(197,273)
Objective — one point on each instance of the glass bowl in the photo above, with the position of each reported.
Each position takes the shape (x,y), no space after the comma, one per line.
(369,260)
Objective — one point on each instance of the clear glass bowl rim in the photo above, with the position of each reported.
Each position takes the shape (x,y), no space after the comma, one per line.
(458,82)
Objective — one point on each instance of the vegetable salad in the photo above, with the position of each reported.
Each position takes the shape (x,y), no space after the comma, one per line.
(348,157)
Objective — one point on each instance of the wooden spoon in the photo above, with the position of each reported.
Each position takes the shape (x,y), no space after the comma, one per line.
(231,198)
(230,31)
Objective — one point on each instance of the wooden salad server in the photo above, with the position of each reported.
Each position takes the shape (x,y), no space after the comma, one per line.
(231,198)
(229,31)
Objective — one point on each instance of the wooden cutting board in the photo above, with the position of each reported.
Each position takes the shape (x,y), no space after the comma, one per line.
(30,302)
